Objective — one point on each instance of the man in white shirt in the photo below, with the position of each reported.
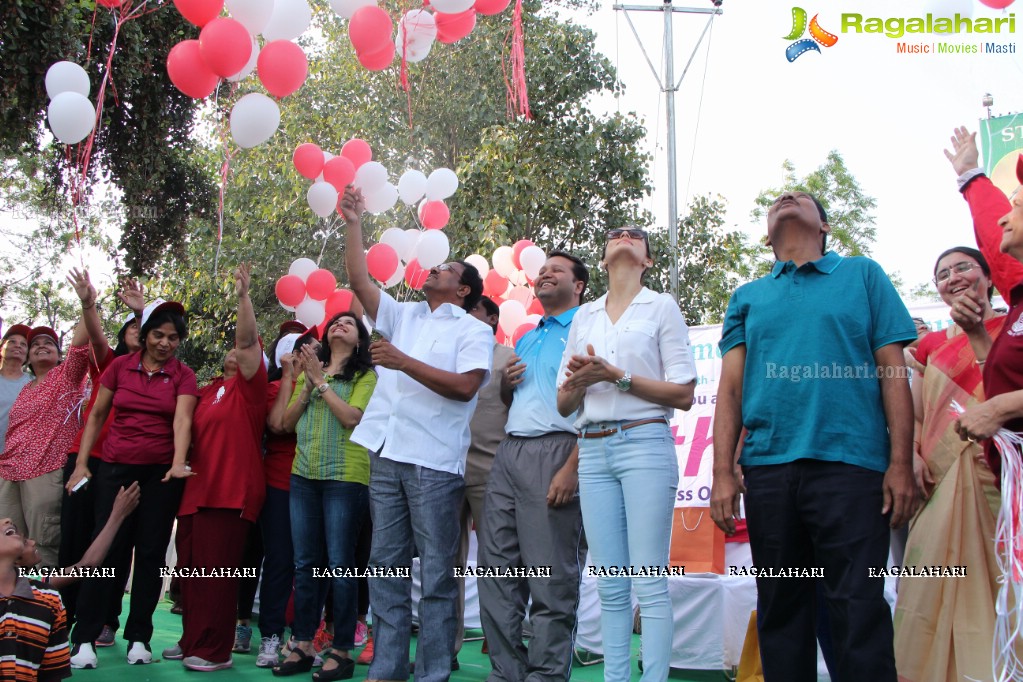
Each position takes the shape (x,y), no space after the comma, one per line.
(434,359)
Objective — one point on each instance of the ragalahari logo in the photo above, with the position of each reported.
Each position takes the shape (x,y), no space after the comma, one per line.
(818,35)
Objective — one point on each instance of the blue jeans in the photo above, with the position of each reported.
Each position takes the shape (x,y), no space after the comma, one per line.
(278,562)
(627,485)
(414,506)
(325,519)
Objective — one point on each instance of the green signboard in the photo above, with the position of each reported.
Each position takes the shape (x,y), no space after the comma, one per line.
(1001,143)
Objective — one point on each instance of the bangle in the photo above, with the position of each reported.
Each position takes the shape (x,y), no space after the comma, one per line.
(980,363)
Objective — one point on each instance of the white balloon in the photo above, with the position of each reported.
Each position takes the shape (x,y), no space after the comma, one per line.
(433,248)
(411,186)
(513,314)
(250,66)
(302,268)
(503,261)
(254,120)
(370,177)
(451,6)
(66,77)
(398,276)
(72,117)
(480,263)
(254,15)
(532,259)
(289,20)
(518,278)
(419,52)
(408,251)
(310,312)
(523,295)
(441,184)
(395,238)
(415,35)
(346,8)
(322,198)
(382,199)
(533,319)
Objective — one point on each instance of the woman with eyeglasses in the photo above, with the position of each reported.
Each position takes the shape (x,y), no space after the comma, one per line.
(942,631)
(329,491)
(626,368)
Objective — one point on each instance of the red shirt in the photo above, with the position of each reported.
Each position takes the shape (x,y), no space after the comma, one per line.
(280,449)
(143,428)
(44,420)
(1003,369)
(227,447)
(91,391)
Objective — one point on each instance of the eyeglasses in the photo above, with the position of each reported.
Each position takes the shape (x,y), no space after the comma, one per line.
(625,232)
(450,267)
(959,269)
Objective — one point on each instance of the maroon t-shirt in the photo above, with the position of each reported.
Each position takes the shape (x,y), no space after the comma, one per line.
(143,428)
(1003,369)
(227,452)
(96,369)
(280,449)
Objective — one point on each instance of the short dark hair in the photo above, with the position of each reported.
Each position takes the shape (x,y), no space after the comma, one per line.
(491,308)
(579,269)
(160,318)
(975,255)
(122,346)
(824,220)
(360,360)
(471,278)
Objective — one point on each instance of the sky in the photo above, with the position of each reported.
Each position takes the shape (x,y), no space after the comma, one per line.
(889,115)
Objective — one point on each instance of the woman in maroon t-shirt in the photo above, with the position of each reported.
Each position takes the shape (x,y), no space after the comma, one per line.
(154,395)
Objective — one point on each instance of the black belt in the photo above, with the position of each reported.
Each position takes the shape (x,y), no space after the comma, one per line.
(623,427)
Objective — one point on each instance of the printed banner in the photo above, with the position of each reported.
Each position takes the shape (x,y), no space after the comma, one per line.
(1001,142)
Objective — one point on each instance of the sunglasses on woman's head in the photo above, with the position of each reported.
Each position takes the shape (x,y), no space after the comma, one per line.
(625,232)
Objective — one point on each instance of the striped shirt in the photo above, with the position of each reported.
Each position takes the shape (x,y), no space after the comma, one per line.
(34,641)
(325,451)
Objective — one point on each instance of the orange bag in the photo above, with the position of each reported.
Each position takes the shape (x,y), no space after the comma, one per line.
(696,542)
(750,669)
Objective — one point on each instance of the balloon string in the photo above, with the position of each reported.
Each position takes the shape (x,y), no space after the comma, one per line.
(518,93)
(225,169)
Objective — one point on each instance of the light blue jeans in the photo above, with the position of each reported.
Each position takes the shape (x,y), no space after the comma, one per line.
(627,485)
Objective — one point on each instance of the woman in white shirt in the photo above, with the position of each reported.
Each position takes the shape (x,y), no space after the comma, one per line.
(627,367)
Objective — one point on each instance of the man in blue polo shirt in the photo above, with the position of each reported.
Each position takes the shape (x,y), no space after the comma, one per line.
(532,518)
(812,367)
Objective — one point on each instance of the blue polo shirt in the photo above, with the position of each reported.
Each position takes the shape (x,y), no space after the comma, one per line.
(810,387)
(534,409)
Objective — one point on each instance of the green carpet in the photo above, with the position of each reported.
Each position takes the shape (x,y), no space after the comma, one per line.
(475,665)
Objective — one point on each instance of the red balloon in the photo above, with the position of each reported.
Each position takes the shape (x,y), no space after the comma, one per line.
(500,336)
(379,60)
(453,27)
(308,160)
(517,250)
(491,7)
(382,261)
(110,3)
(997,4)
(202,12)
(339,302)
(357,151)
(434,214)
(522,329)
(282,67)
(340,172)
(535,308)
(225,46)
(320,284)
(188,72)
(415,275)
(290,290)
(369,28)
(494,284)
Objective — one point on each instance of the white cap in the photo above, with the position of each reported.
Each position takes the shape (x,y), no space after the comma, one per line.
(285,345)
(160,304)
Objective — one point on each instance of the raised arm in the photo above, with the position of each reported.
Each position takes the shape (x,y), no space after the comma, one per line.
(246,336)
(724,495)
(91,328)
(352,207)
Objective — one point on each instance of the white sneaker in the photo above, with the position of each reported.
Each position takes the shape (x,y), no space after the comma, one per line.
(139,653)
(83,657)
(173,653)
(202,665)
(269,652)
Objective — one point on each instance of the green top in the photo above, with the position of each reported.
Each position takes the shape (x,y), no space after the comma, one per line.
(324,451)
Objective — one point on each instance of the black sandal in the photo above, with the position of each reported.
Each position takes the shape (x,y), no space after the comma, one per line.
(303,665)
(344,671)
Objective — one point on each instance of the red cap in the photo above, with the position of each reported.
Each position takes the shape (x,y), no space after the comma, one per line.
(43,331)
(292,327)
(19,329)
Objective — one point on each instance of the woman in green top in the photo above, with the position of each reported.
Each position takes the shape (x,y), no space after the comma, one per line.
(329,490)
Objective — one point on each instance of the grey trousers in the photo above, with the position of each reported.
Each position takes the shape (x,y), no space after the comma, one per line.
(520,530)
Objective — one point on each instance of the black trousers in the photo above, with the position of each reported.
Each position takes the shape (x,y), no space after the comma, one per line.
(812,514)
(147,531)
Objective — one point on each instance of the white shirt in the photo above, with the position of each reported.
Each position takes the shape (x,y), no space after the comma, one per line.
(649,340)
(409,421)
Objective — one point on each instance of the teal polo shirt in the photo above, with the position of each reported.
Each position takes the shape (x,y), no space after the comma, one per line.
(534,408)
(811,388)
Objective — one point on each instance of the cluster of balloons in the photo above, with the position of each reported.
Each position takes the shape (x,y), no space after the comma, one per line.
(509,284)
(71,115)
(433,190)
(311,293)
(227,48)
(331,174)
(371,28)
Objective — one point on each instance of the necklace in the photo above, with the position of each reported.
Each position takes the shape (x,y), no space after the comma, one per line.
(149,370)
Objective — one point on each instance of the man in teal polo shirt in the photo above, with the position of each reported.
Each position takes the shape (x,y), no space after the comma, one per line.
(812,367)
